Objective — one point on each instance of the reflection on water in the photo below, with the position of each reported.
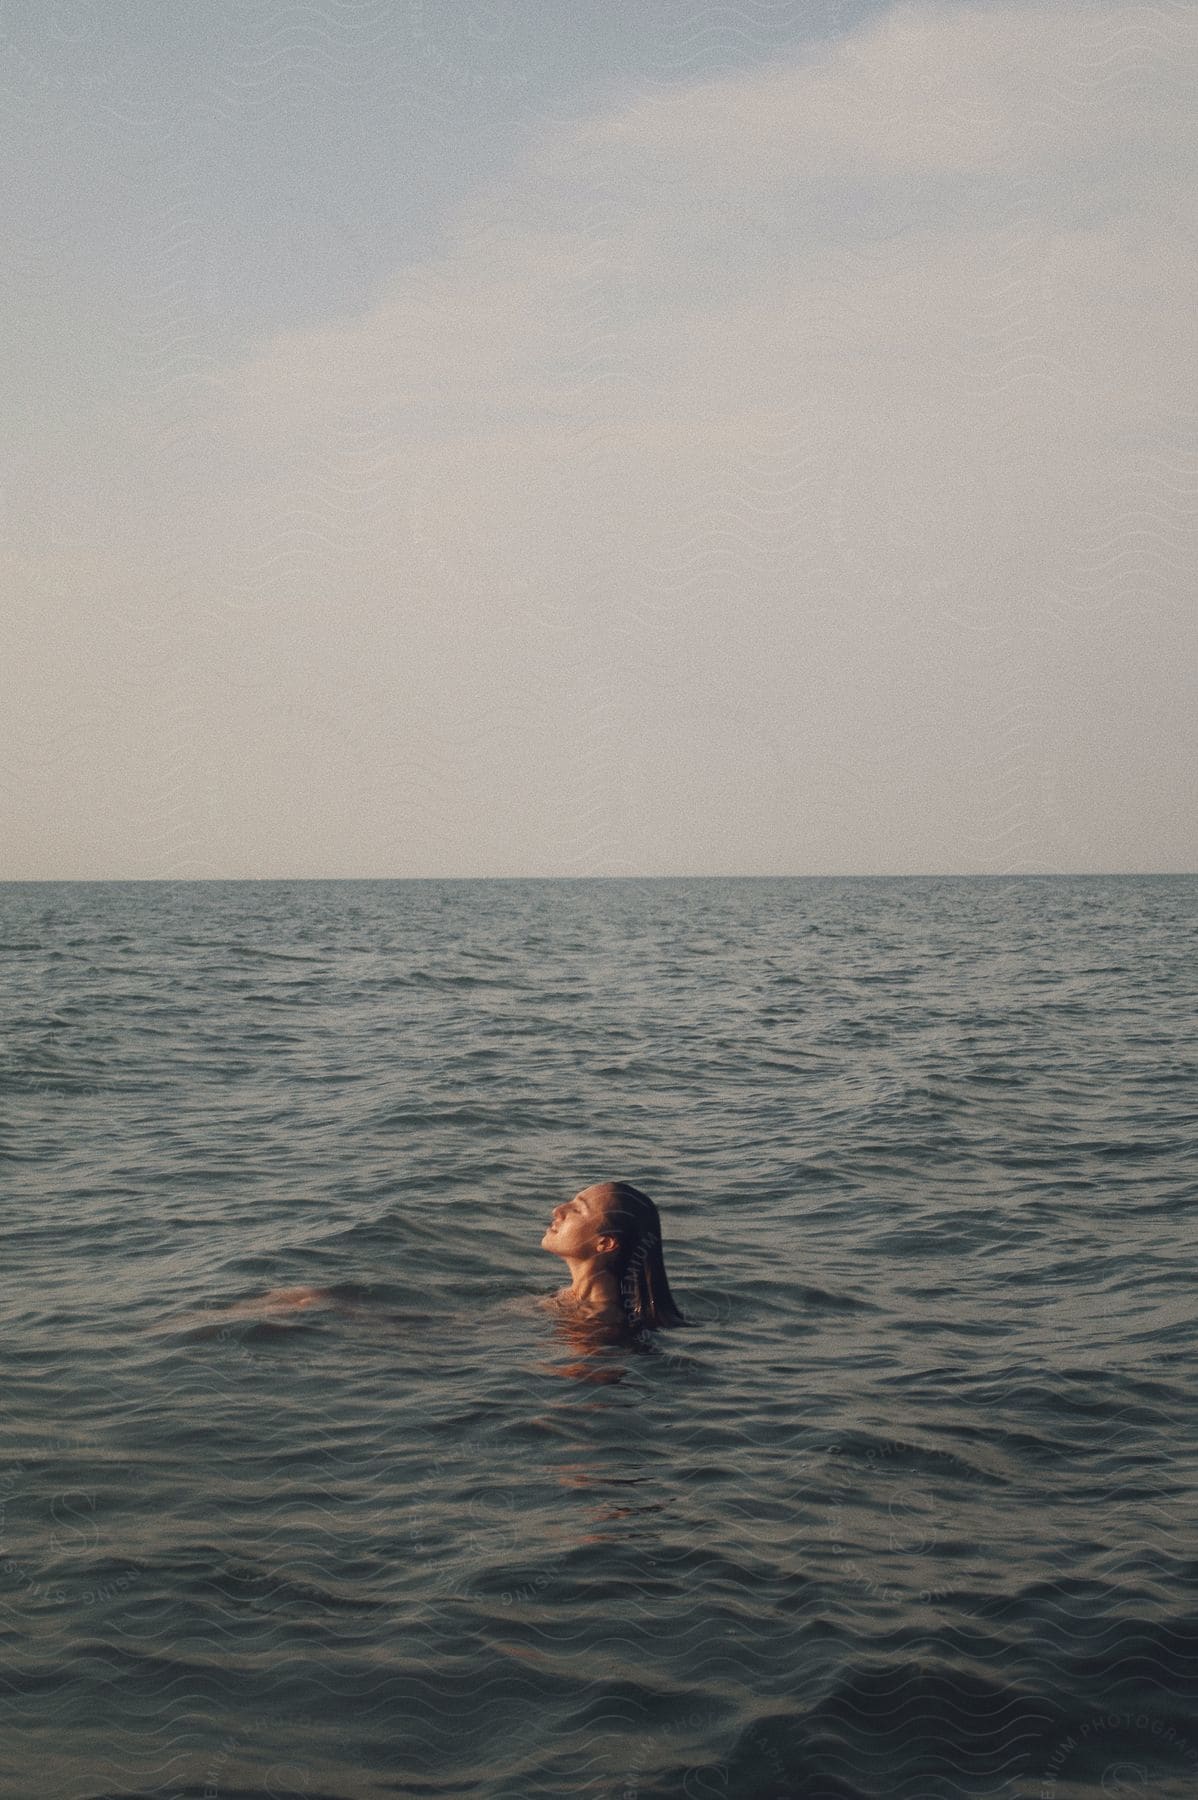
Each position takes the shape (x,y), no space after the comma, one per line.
(599,1352)
(593,1484)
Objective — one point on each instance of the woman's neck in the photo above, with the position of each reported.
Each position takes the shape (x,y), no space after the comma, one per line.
(593,1288)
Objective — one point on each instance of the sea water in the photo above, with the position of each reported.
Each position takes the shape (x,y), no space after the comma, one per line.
(906,1511)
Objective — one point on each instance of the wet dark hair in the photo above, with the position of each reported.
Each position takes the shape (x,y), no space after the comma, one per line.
(639,1270)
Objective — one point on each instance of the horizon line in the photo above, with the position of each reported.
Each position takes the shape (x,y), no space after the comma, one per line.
(752,875)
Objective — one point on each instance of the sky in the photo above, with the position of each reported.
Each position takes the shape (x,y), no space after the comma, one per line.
(484,438)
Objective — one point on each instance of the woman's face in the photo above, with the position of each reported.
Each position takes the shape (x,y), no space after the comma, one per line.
(577,1227)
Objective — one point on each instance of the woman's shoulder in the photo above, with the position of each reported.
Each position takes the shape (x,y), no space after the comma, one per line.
(565,1306)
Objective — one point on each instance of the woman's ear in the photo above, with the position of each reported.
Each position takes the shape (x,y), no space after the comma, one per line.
(605,1243)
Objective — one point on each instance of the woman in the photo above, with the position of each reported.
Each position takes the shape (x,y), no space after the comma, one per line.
(609,1237)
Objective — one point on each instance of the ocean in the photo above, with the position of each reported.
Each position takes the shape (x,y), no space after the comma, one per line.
(906,1511)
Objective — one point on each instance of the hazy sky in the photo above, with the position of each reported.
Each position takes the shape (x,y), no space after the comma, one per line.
(475,437)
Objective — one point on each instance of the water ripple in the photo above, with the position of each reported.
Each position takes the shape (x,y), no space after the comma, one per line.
(305,1493)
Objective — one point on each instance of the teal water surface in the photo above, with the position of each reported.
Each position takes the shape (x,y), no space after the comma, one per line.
(906,1512)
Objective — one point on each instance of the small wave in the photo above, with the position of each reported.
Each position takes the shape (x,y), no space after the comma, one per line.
(255,953)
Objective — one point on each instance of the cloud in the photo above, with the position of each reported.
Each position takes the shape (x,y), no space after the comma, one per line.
(767,473)
(680,255)
(933,89)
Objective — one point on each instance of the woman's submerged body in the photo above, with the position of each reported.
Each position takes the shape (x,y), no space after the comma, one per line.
(609,1237)
(283,1300)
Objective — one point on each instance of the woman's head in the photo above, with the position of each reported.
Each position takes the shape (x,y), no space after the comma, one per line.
(612,1227)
